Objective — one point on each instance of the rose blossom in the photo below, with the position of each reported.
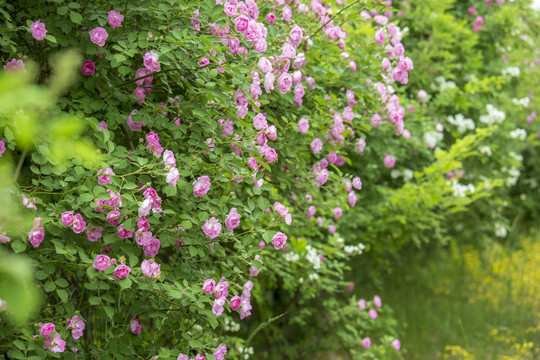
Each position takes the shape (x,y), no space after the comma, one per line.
(121,271)
(38,30)
(279,240)
(67,218)
(212,228)
(134,326)
(172,176)
(102,262)
(316,145)
(88,67)
(377,301)
(77,325)
(201,186)
(259,122)
(47,329)
(233,219)
(236,302)
(55,344)
(168,158)
(150,61)
(209,286)
(78,224)
(115,19)
(366,342)
(389,161)
(98,36)
(220,352)
(103,176)
(284,82)
(303,125)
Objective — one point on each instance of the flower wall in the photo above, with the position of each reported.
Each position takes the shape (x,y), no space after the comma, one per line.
(196,179)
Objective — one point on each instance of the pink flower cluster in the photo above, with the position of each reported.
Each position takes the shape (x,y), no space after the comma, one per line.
(152,202)
(283,211)
(37,233)
(75,221)
(55,343)
(153,143)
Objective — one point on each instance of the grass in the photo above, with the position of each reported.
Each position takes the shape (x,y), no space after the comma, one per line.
(461,303)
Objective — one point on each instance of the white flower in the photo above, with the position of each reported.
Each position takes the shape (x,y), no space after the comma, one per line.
(500,230)
(486,150)
(520,134)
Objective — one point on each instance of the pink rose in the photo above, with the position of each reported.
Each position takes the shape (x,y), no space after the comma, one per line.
(284,82)
(55,344)
(265,65)
(389,161)
(362,304)
(103,176)
(88,68)
(303,125)
(377,301)
(241,23)
(259,122)
(121,271)
(98,36)
(38,30)
(372,314)
(201,186)
(352,198)
(220,352)
(236,302)
(78,224)
(279,240)
(228,128)
(233,219)
(173,176)
(230,9)
(380,37)
(271,18)
(150,61)
(212,228)
(67,218)
(123,233)
(47,329)
(2,147)
(252,162)
(151,269)
(209,286)
(270,154)
(115,19)
(151,248)
(93,234)
(77,325)
(366,342)
(168,158)
(102,262)
(316,145)
(338,212)
(134,326)
(296,34)
(396,344)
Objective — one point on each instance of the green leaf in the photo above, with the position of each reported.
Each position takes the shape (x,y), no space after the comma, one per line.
(18,246)
(75,17)
(61,283)
(109,311)
(94,300)
(63,294)
(49,286)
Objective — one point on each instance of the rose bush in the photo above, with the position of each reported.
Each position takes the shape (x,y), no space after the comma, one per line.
(177,209)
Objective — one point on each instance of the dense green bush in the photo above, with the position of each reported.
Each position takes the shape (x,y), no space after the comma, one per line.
(151,129)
